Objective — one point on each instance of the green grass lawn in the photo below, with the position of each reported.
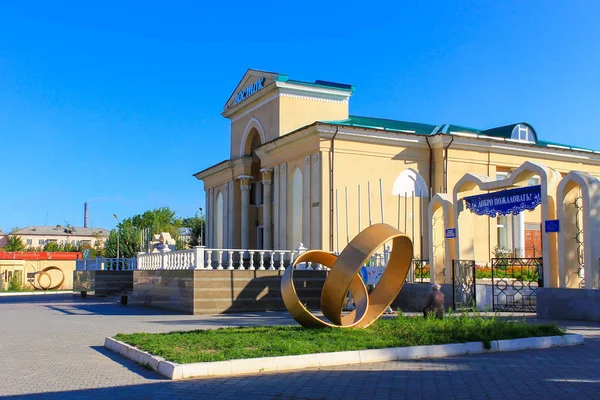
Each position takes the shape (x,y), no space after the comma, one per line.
(267,341)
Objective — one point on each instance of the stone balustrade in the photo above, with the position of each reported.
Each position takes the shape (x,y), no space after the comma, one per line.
(235,259)
(107,264)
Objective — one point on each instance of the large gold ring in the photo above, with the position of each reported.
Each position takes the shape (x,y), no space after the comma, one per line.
(38,274)
(344,276)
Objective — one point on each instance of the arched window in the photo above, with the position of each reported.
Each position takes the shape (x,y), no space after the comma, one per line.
(296,210)
(524,133)
(410,183)
(218,240)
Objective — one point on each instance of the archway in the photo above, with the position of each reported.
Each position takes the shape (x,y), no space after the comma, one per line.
(549,179)
(578,249)
(252,139)
(441,251)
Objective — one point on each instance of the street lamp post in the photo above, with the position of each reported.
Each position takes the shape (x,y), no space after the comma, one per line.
(115,215)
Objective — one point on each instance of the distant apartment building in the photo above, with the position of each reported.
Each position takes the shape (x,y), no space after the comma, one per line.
(39,236)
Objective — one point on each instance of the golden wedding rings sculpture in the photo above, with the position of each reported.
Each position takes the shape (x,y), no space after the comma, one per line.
(344,276)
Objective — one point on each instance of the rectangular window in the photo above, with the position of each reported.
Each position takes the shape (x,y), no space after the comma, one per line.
(86,242)
(41,241)
(30,277)
(29,241)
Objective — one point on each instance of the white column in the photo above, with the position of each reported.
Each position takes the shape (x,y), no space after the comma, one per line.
(276,220)
(306,204)
(245,209)
(225,216)
(283,207)
(518,231)
(267,176)
(206,216)
(232,214)
(315,203)
(209,219)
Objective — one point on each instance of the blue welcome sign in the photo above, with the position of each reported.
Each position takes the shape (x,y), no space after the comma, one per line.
(505,202)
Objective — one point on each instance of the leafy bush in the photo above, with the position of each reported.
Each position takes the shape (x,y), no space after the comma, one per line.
(14,284)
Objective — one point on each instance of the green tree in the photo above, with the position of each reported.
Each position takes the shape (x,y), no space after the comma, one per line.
(197,224)
(14,243)
(159,220)
(52,246)
(127,237)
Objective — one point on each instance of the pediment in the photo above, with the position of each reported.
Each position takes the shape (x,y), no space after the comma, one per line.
(251,84)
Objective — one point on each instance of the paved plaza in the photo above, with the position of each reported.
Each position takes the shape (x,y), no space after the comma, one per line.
(51,347)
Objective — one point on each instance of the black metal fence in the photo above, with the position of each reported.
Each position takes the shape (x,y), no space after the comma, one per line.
(464,289)
(515,282)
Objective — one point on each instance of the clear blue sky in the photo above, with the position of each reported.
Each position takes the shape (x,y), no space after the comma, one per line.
(118,102)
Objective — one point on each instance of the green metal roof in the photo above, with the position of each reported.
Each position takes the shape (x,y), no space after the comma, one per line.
(385,124)
(503,132)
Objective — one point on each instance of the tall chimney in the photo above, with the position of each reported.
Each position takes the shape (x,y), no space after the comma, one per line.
(85,215)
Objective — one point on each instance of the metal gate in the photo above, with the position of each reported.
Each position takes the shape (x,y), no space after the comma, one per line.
(515,282)
(463,285)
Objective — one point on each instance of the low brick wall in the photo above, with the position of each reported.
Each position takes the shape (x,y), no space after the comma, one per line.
(222,291)
(572,304)
(103,283)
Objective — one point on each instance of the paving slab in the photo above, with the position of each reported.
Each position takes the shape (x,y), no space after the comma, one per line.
(52,347)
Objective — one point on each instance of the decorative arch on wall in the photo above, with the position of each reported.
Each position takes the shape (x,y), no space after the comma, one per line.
(219,217)
(254,123)
(549,179)
(408,182)
(567,193)
(296,209)
(441,212)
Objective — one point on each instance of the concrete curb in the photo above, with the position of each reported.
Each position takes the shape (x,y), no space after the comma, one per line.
(284,363)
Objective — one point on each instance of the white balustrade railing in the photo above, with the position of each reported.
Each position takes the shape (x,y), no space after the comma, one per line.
(223,259)
(237,259)
(107,264)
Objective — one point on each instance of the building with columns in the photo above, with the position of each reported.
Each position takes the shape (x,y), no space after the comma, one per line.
(302,169)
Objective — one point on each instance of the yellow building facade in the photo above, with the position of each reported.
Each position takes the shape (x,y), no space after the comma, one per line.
(39,274)
(302,169)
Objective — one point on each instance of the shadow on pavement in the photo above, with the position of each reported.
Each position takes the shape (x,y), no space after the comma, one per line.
(355,384)
(147,373)
(108,307)
(38,298)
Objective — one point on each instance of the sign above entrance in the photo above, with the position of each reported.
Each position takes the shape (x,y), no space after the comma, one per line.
(249,91)
(505,202)
(552,226)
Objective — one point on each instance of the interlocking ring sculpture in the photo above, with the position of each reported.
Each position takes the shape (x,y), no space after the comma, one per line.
(344,275)
(49,286)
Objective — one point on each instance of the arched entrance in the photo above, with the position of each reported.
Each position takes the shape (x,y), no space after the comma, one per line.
(441,251)
(548,181)
(253,138)
(578,251)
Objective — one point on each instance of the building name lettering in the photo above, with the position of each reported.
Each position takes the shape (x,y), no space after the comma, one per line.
(249,91)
